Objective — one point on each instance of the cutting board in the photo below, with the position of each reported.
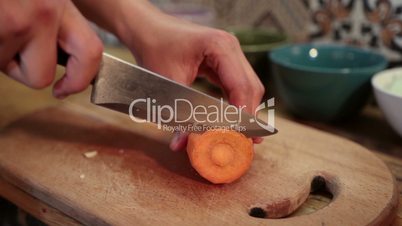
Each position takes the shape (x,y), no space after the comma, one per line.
(136,180)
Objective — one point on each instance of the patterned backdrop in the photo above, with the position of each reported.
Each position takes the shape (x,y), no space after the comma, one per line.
(367,23)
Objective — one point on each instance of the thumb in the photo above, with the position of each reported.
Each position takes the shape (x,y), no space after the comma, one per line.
(84,48)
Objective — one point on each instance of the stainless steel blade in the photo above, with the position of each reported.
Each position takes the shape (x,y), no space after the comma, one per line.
(119,83)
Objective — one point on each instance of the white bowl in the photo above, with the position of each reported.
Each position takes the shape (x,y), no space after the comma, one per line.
(388,92)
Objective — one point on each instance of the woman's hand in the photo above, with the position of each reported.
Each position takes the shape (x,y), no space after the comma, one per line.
(30,32)
(178,49)
(181,51)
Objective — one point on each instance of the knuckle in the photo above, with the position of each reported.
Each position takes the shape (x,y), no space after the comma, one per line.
(233,40)
(253,91)
(260,89)
(21,29)
(94,50)
(17,26)
(225,39)
(97,49)
(46,10)
(258,93)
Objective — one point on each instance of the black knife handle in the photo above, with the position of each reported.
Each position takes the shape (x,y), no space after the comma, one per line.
(62,59)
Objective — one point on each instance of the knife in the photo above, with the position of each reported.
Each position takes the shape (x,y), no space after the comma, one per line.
(148,96)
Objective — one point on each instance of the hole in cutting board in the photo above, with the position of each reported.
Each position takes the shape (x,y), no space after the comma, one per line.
(319,197)
(257,212)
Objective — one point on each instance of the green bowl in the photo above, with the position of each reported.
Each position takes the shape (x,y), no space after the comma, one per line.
(324,82)
(256,43)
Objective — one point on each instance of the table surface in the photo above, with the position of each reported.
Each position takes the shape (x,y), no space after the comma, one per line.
(368,129)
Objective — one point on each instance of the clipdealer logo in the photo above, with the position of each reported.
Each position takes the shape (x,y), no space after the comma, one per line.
(202,117)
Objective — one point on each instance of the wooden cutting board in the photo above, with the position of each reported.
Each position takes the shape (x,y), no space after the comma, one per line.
(136,180)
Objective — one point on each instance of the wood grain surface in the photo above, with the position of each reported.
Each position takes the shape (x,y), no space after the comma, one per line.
(18,101)
(35,207)
(136,179)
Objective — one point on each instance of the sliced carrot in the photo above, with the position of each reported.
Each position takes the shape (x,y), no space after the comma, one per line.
(220,156)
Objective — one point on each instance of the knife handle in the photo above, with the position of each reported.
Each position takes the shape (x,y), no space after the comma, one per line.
(62,59)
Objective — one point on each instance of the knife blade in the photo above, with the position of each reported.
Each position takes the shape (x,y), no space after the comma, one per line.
(148,96)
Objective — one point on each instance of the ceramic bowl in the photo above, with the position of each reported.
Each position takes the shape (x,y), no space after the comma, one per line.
(387,87)
(324,82)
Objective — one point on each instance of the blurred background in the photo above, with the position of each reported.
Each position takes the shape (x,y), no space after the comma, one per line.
(366,23)
(329,64)
(326,62)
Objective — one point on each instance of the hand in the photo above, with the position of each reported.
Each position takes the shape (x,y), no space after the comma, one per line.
(180,51)
(30,32)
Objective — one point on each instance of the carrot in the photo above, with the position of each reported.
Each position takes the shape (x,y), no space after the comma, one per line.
(220,156)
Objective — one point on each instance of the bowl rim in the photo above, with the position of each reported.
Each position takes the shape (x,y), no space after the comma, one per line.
(253,48)
(380,65)
(383,73)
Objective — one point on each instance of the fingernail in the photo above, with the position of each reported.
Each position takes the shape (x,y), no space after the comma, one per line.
(60,95)
(258,140)
(174,142)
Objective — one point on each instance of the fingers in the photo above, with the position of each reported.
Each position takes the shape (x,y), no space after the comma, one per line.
(241,84)
(9,48)
(37,61)
(258,88)
(85,50)
(13,30)
(237,78)
(257,140)
(28,41)
(179,141)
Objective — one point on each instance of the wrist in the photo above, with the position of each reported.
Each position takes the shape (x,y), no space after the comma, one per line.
(137,24)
